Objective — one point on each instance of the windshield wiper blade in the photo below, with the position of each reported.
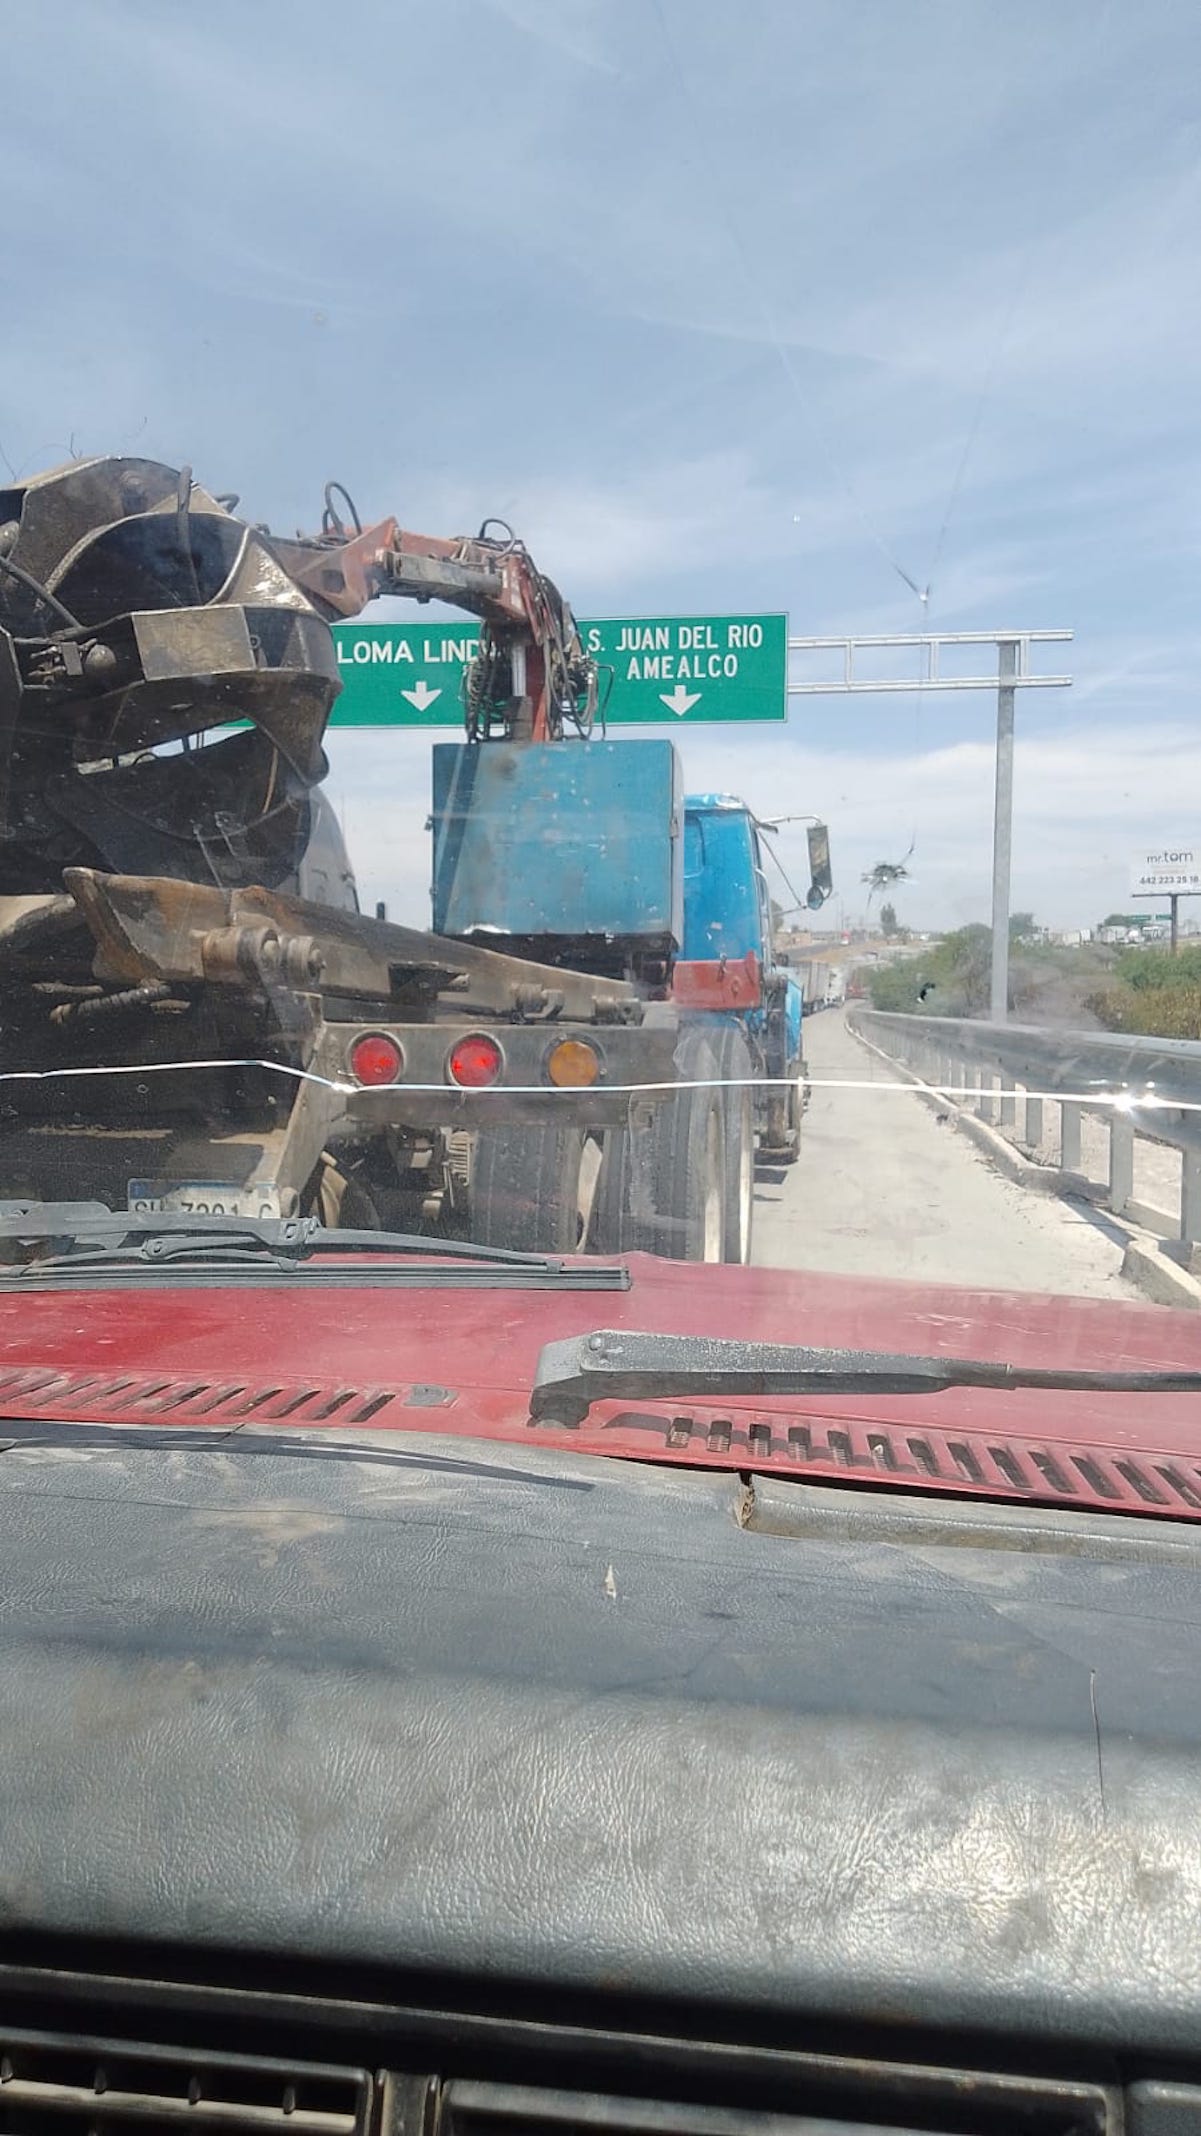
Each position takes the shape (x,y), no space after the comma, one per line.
(88,1233)
(613,1365)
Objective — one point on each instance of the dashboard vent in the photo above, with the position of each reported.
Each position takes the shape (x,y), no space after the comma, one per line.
(59,2084)
(864,2103)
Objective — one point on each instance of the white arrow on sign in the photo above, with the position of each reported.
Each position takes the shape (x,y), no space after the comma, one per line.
(423,697)
(678,702)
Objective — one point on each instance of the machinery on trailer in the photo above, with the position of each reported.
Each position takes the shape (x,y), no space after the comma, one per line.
(177,908)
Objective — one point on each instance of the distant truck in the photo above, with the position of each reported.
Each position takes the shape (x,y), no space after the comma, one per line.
(822,985)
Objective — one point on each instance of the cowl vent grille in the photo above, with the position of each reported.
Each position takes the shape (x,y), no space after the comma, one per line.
(971,1462)
(140,1399)
(967,1463)
(55,2084)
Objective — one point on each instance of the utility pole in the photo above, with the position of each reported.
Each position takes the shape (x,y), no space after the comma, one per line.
(1002,831)
(1013,674)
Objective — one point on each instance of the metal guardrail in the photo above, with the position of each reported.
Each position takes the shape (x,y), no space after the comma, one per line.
(1143,1089)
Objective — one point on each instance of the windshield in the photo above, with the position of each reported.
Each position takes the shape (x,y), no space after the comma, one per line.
(715,775)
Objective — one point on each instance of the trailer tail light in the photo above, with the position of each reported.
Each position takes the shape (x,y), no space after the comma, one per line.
(376,1059)
(475,1062)
(573,1064)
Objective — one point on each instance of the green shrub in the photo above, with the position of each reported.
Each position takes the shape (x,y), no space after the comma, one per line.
(893,987)
(950,979)
(1171,1011)
(1157,971)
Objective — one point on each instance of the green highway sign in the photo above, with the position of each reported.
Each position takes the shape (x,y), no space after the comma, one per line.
(658,670)
(402,674)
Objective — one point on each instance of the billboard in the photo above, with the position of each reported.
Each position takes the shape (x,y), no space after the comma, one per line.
(1167,871)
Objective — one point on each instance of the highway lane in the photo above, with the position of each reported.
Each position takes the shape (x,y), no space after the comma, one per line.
(883,1189)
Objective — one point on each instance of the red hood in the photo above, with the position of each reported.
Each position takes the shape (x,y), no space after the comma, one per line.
(458,1361)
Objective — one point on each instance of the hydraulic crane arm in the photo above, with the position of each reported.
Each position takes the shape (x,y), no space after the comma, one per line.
(531,677)
(167,669)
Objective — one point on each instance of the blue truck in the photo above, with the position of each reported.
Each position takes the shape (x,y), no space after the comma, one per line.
(592,858)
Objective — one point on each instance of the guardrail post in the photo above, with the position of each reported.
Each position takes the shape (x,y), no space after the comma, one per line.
(1008,1110)
(1190,1196)
(1121,1162)
(985,1107)
(1033,1122)
(1070,1118)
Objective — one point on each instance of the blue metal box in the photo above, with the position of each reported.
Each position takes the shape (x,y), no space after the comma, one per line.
(562,839)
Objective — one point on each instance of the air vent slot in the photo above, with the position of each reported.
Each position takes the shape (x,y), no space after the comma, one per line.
(860,2100)
(54,2084)
(80,1399)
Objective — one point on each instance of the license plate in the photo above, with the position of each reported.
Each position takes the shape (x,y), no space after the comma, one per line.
(200,1197)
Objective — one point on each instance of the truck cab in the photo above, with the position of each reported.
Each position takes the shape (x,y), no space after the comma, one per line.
(727,914)
(727,908)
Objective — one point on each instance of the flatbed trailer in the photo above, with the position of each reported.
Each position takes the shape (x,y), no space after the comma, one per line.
(264,1054)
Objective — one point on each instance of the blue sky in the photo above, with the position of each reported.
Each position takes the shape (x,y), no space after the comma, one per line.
(724,308)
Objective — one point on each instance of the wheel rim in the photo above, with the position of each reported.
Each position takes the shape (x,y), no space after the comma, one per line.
(711,1240)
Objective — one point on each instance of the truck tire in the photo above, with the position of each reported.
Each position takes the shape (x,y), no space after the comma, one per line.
(340,1203)
(780,1142)
(525,1188)
(733,1065)
(662,1186)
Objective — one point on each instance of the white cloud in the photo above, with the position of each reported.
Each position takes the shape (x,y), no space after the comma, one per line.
(594,535)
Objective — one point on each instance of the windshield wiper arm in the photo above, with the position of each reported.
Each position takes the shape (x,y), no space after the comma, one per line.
(614,1365)
(89,1234)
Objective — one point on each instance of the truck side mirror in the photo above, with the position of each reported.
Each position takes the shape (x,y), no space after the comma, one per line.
(821,876)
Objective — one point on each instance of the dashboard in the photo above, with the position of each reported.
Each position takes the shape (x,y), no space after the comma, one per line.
(439,1783)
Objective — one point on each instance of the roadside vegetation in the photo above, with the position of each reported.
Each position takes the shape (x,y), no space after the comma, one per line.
(949,978)
(1048,983)
(1152,993)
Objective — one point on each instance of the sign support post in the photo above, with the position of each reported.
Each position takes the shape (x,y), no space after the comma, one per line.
(1013,673)
(1002,831)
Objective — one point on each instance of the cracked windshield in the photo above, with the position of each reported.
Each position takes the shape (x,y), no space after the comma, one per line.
(598,606)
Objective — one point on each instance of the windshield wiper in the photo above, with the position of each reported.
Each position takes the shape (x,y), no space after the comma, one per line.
(613,1365)
(86,1238)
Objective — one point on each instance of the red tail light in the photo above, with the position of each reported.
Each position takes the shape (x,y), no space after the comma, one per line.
(475,1061)
(376,1059)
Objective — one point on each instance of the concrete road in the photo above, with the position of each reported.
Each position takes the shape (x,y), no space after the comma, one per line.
(882,1189)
